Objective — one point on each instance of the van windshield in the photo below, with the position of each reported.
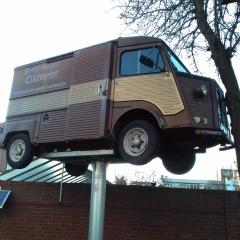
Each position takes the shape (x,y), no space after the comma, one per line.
(176,63)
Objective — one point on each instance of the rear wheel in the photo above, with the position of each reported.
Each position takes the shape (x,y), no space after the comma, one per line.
(179,161)
(138,142)
(75,170)
(19,151)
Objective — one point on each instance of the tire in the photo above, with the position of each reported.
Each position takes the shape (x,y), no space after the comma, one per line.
(75,170)
(19,151)
(179,161)
(138,142)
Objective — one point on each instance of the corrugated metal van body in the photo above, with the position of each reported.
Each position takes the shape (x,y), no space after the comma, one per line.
(40,87)
(87,106)
(24,117)
(52,126)
(83,121)
(64,93)
(40,94)
(41,77)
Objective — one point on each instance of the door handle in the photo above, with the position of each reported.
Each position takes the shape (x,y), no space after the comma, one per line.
(99,89)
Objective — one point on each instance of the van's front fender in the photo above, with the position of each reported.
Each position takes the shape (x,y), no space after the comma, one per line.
(2,127)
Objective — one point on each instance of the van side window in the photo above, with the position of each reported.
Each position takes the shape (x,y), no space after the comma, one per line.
(141,61)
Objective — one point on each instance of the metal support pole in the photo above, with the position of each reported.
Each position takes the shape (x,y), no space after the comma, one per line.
(97,205)
(61,185)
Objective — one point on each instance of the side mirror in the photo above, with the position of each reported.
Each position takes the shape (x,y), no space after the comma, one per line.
(146,61)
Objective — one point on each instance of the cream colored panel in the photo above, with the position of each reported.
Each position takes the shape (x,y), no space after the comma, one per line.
(38,103)
(86,92)
(80,93)
(159,89)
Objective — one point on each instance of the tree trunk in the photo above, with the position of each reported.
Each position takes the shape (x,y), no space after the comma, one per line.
(222,60)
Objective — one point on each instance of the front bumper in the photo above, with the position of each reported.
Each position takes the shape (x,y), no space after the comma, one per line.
(224,136)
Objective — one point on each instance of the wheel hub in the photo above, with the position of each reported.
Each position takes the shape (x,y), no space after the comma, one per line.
(135,141)
(17,150)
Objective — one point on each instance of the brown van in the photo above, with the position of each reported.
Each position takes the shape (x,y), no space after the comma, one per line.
(132,95)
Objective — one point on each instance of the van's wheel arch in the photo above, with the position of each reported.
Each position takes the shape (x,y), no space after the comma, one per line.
(19,152)
(138,142)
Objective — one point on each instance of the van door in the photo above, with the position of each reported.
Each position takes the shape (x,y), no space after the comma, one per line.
(87,105)
(142,76)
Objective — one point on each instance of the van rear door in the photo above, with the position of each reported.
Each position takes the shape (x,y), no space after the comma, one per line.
(87,106)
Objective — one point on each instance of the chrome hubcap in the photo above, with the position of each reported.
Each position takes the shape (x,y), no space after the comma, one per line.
(135,141)
(17,150)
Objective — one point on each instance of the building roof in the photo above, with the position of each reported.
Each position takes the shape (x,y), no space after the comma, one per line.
(188,181)
(44,170)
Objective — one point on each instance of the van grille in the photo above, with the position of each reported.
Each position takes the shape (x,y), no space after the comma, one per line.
(198,106)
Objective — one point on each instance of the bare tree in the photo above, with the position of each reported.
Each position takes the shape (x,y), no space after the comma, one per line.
(193,25)
(121,180)
(139,178)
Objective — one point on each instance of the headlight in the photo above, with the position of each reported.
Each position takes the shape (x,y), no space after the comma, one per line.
(201,91)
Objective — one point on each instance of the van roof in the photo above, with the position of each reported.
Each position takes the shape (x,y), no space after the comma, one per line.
(137,40)
(121,42)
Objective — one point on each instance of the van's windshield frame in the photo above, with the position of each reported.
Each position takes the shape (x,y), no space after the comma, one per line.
(176,63)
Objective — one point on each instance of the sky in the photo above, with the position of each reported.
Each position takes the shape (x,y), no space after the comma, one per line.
(32,30)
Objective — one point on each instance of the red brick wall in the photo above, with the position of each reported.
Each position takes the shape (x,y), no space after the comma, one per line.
(132,213)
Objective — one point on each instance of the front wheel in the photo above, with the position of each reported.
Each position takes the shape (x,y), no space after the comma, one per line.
(19,151)
(179,161)
(138,142)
